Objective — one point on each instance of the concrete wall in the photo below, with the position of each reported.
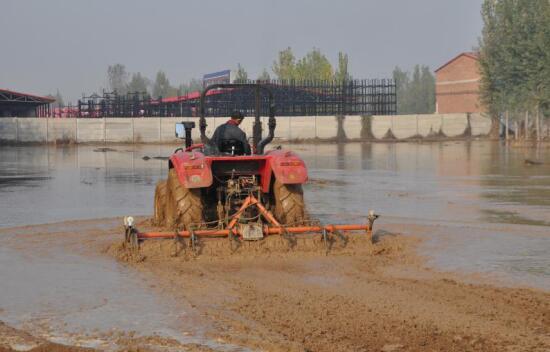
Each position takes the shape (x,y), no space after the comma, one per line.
(8,129)
(32,130)
(429,125)
(353,125)
(90,130)
(119,130)
(295,128)
(480,125)
(146,130)
(61,130)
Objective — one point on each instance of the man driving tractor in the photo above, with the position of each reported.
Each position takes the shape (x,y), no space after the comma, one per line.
(229,138)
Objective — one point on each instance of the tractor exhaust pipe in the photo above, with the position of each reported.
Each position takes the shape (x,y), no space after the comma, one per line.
(271,124)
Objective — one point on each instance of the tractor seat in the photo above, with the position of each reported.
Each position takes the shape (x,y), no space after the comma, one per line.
(231,147)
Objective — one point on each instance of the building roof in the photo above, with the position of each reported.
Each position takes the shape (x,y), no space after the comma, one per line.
(471,54)
(10,96)
(189,96)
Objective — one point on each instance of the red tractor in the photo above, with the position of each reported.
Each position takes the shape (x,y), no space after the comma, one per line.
(222,193)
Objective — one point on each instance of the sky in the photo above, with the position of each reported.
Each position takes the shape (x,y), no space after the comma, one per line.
(67,45)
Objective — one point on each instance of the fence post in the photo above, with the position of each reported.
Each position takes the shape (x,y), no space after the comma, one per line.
(16,129)
(315,126)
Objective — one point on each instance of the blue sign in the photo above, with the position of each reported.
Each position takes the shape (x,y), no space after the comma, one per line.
(216,77)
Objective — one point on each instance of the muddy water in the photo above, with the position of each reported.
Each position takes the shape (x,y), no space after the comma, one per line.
(480,207)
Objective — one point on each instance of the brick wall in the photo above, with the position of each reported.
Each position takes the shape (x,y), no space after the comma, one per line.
(457,86)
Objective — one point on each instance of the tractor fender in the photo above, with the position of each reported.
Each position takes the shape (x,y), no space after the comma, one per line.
(287,167)
(192,169)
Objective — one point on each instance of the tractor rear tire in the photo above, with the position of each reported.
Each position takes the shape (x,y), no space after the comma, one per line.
(184,205)
(289,203)
(161,195)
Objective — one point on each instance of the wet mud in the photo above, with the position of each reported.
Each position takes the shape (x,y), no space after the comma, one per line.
(13,340)
(373,297)
(360,297)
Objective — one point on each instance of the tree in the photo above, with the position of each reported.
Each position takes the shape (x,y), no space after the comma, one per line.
(416,92)
(401,79)
(264,76)
(118,78)
(314,66)
(515,57)
(241,75)
(162,87)
(427,84)
(192,86)
(341,73)
(59,103)
(285,65)
(138,83)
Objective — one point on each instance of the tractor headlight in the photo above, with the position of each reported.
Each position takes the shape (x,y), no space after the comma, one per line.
(128,221)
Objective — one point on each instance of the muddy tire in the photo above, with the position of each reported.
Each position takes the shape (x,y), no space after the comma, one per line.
(289,203)
(161,195)
(184,205)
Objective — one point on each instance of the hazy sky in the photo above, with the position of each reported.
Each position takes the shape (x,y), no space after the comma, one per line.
(67,45)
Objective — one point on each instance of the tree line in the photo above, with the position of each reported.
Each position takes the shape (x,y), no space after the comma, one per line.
(313,66)
(515,63)
(415,90)
(122,82)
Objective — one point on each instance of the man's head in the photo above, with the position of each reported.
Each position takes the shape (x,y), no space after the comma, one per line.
(237,116)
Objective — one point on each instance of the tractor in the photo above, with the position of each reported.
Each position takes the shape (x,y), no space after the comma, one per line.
(216,191)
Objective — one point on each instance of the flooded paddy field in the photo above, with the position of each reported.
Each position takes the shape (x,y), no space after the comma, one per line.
(463,260)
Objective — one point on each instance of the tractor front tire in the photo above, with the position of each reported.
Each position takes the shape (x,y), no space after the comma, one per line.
(184,205)
(289,203)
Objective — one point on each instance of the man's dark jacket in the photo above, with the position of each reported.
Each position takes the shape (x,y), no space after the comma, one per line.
(230,130)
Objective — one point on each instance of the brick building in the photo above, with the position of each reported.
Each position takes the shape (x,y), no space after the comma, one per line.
(457,85)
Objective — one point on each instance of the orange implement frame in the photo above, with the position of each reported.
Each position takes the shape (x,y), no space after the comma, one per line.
(234,230)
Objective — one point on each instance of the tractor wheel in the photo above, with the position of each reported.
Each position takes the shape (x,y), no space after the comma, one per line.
(289,203)
(184,205)
(161,195)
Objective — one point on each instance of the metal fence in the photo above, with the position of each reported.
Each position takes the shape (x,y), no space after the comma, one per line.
(292,98)
(309,98)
